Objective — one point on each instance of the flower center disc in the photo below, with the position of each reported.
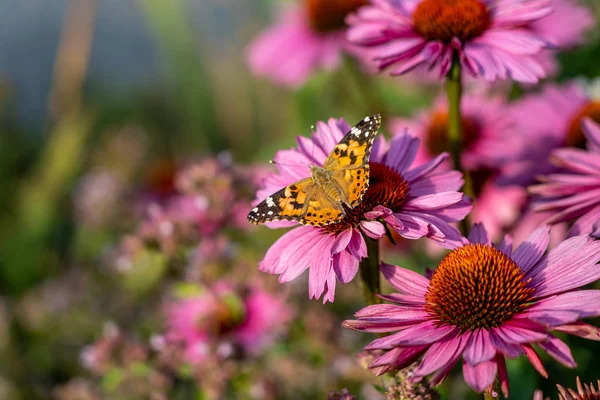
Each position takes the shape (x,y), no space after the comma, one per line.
(446,19)
(329,15)
(386,188)
(575,137)
(437,134)
(477,286)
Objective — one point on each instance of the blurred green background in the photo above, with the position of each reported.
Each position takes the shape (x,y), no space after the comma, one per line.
(90,83)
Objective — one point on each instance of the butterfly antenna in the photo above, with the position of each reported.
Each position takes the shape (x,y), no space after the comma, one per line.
(285,165)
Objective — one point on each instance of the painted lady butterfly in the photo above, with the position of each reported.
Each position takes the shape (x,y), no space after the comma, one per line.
(320,199)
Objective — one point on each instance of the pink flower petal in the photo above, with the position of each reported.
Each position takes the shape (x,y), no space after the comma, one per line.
(481,375)
(404,280)
(559,351)
(580,329)
(478,234)
(532,249)
(421,334)
(479,348)
(535,360)
(440,354)
(570,265)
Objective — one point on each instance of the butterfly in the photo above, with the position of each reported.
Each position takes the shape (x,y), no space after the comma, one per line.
(342,180)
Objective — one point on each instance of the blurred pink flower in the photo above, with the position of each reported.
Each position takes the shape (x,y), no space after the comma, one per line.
(558,112)
(573,191)
(220,317)
(308,37)
(486,126)
(485,303)
(564,28)
(566,25)
(414,202)
(490,36)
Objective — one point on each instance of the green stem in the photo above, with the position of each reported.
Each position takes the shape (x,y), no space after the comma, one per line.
(488,394)
(455,128)
(369,272)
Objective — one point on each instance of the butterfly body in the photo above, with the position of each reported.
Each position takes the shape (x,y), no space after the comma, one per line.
(342,180)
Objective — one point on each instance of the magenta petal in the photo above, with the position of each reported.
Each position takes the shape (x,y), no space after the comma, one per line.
(424,333)
(404,299)
(551,318)
(345,266)
(404,280)
(535,360)
(319,272)
(440,354)
(532,249)
(479,234)
(585,303)
(585,224)
(559,351)
(479,348)
(592,132)
(399,358)
(569,266)
(357,246)
(433,201)
(341,241)
(505,245)
(510,350)
(373,229)
(580,329)
(502,374)
(441,374)
(387,358)
(481,375)
(290,255)
(403,149)
(390,311)
(518,335)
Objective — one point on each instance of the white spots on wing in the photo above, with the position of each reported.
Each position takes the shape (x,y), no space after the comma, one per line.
(270,202)
(367,134)
(355,131)
(270,213)
(255,209)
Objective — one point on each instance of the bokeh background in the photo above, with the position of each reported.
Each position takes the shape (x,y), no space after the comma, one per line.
(91,90)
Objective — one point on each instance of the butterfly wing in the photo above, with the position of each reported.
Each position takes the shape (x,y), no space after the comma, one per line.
(321,210)
(348,162)
(302,201)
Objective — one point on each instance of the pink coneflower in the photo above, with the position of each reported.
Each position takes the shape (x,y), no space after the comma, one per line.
(485,126)
(558,112)
(564,27)
(308,37)
(489,36)
(584,392)
(220,317)
(485,303)
(573,191)
(415,202)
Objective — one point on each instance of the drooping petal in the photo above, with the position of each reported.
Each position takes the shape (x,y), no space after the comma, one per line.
(559,351)
(440,354)
(421,334)
(481,375)
(535,360)
(405,280)
(580,329)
